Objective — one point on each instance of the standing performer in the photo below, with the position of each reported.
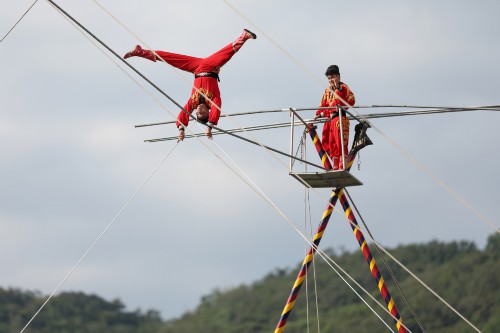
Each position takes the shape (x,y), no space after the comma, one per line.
(340,97)
(205,95)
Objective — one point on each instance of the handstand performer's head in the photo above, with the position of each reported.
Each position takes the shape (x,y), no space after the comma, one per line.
(202,113)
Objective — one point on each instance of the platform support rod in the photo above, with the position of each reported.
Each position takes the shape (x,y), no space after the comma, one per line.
(365,249)
(306,264)
(292,117)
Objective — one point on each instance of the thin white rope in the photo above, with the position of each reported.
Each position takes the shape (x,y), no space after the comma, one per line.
(116,216)
(420,165)
(22,16)
(297,62)
(99,237)
(308,223)
(328,259)
(429,288)
(306,248)
(440,182)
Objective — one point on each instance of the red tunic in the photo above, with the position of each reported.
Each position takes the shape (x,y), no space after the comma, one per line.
(331,130)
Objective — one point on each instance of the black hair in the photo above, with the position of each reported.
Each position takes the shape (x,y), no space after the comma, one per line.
(203,120)
(332,70)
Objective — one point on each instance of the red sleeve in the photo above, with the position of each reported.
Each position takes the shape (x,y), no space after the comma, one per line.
(347,95)
(214,115)
(183,118)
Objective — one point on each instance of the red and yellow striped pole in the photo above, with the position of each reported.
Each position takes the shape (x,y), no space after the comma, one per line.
(306,264)
(319,147)
(371,262)
(317,238)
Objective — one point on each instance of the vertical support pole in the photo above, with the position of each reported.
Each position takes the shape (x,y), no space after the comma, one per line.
(292,114)
(341,129)
(371,263)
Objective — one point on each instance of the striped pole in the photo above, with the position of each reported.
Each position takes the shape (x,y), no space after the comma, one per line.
(306,264)
(317,238)
(319,148)
(371,263)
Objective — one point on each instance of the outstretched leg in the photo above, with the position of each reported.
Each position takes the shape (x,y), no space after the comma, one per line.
(214,62)
(181,61)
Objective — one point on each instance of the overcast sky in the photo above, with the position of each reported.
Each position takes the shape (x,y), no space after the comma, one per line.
(71,157)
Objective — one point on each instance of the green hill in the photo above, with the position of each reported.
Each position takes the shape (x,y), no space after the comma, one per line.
(466,277)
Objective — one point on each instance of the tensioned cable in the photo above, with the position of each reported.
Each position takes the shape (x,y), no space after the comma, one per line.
(309,121)
(127,64)
(99,237)
(436,110)
(398,285)
(427,287)
(308,223)
(22,16)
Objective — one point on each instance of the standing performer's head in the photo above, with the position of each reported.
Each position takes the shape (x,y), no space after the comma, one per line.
(333,75)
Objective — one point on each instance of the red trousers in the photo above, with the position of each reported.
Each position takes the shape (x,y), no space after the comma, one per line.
(207,85)
(331,137)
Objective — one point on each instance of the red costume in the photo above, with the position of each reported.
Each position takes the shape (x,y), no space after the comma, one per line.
(337,98)
(206,73)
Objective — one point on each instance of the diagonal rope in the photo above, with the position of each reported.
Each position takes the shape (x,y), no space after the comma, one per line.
(389,269)
(99,237)
(428,288)
(297,62)
(22,16)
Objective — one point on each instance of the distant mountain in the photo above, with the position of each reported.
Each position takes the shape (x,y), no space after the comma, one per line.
(466,277)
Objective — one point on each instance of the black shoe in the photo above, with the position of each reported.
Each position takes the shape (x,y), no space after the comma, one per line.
(253,36)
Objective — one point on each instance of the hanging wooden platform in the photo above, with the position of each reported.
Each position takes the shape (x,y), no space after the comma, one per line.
(333,179)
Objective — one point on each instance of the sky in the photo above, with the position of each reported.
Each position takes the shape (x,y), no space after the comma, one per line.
(72,159)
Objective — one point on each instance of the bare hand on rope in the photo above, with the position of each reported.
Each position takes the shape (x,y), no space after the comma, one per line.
(208,133)
(181,135)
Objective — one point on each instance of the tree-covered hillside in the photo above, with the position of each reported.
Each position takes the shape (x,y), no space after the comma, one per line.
(466,277)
